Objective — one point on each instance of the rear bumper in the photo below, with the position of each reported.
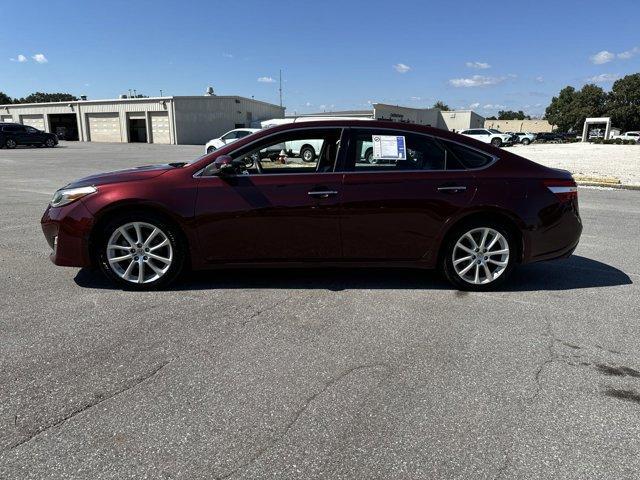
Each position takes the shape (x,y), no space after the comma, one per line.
(556,237)
(67,230)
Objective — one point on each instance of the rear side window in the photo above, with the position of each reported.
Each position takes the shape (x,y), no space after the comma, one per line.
(421,153)
(468,157)
(13,128)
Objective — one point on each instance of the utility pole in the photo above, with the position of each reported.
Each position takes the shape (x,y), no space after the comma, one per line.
(160,92)
(280,87)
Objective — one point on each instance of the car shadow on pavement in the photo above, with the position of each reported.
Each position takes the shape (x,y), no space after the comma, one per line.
(572,273)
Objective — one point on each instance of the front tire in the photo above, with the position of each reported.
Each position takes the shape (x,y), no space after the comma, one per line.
(496,142)
(49,143)
(478,256)
(141,251)
(211,149)
(526,141)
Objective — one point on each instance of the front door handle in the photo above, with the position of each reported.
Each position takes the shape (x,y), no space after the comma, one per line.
(452,188)
(322,193)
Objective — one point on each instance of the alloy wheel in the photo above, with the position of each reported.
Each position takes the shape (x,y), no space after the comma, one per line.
(480,256)
(139,252)
(11,143)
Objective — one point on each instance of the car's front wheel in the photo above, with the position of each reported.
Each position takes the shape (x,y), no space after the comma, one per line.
(141,252)
(526,141)
(10,143)
(496,142)
(479,256)
(50,142)
(211,149)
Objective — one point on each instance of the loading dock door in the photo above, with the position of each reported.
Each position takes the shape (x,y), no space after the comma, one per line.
(6,118)
(160,127)
(104,127)
(35,121)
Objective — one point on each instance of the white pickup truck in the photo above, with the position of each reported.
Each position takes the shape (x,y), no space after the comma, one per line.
(629,136)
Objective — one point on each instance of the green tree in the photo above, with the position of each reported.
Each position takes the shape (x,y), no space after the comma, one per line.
(492,117)
(440,105)
(41,97)
(623,104)
(570,108)
(560,110)
(511,115)
(4,98)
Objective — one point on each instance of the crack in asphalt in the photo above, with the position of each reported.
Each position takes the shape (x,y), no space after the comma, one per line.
(97,400)
(296,416)
(259,312)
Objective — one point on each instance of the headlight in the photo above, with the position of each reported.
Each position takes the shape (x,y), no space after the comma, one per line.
(65,196)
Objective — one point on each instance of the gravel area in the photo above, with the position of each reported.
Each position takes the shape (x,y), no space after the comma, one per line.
(619,161)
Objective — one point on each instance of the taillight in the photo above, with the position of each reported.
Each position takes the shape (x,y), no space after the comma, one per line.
(565,190)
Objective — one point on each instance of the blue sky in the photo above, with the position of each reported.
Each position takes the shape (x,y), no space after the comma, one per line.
(485,55)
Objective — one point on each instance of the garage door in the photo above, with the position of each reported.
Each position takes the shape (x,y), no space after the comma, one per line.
(160,127)
(6,118)
(104,127)
(35,121)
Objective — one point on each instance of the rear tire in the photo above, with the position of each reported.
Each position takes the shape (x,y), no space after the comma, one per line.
(211,149)
(10,143)
(526,141)
(158,256)
(477,261)
(308,154)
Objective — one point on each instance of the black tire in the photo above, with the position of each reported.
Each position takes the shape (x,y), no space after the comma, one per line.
(368,155)
(446,258)
(49,143)
(526,141)
(496,142)
(10,143)
(178,247)
(307,154)
(211,149)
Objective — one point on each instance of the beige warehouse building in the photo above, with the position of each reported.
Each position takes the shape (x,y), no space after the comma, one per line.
(530,126)
(169,120)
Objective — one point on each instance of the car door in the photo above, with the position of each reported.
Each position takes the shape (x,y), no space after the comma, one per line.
(273,211)
(394,209)
(33,135)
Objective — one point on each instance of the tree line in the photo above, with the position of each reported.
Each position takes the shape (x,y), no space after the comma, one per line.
(571,107)
(38,97)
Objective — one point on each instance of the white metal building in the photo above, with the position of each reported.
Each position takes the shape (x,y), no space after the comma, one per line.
(173,120)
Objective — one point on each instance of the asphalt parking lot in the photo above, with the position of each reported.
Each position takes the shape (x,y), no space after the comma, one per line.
(313,373)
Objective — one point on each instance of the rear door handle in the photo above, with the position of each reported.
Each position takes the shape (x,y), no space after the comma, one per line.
(322,193)
(452,188)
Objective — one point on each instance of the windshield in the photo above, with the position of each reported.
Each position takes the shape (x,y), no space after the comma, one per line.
(493,130)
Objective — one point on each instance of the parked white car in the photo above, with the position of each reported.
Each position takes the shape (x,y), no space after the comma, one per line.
(227,138)
(489,135)
(629,136)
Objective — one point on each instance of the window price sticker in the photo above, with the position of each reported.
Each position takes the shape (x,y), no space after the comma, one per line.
(389,147)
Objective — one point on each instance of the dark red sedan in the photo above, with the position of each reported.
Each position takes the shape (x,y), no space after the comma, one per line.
(373,193)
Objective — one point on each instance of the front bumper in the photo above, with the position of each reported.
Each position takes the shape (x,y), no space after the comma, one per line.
(67,230)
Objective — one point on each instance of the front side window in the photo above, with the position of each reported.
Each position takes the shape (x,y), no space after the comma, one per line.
(31,130)
(242,133)
(372,150)
(298,151)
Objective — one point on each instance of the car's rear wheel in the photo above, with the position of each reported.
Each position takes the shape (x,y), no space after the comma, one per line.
(526,141)
(141,252)
(10,143)
(479,256)
(496,142)
(50,142)
(307,154)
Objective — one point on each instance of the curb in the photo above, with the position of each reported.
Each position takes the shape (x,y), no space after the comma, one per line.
(617,186)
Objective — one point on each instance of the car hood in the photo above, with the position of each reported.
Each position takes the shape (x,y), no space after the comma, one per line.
(128,175)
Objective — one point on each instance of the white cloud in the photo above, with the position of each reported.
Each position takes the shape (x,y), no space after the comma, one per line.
(401,68)
(602,57)
(20,59)
(539,79)
(266,79)
(629,53)
(416,99)
(227,55)
(604,78)
(322,107)
(479,65)
(308,104)
(475,81)
(474,105)
(40,58)
(491,106)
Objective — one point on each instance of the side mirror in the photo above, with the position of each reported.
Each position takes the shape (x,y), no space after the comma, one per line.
(225,165)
